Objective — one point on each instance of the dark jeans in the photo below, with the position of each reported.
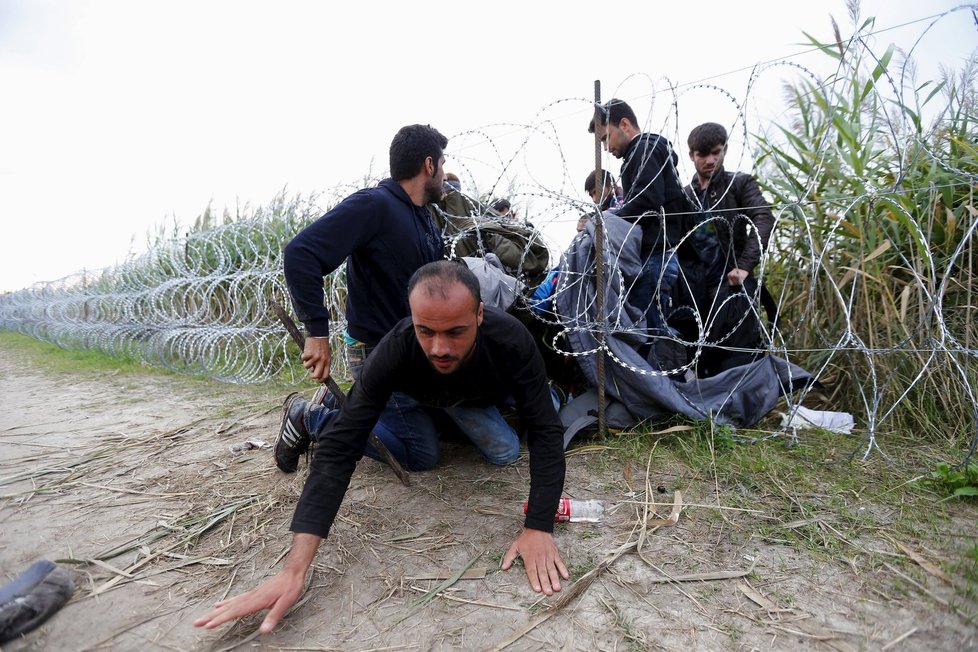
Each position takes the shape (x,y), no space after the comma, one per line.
(408,430)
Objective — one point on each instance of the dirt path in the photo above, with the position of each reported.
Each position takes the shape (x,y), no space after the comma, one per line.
(135,471)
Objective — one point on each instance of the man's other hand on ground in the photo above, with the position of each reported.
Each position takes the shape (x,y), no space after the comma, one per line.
(277,594)
(541,561)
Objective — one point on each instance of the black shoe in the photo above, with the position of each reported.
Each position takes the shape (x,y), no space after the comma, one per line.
(32,598)
(293,438)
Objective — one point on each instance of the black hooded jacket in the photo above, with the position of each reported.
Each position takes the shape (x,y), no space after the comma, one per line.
(651,185)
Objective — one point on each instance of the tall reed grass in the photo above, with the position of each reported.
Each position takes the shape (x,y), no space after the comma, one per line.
(874,257)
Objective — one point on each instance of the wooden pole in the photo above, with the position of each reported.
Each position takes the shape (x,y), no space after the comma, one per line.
(599,260)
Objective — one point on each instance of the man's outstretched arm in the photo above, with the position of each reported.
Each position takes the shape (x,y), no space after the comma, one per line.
(541,560)
(277,594)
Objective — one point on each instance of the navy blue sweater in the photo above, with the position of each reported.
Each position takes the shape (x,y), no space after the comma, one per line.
(384,238)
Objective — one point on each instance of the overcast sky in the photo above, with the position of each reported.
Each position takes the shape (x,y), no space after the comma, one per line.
(121,115)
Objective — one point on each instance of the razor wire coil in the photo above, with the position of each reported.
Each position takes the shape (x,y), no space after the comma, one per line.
(201,303)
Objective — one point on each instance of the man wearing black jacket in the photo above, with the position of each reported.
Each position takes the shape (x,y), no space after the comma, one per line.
(454,355)
(653,198)
(740,216)
(384,234)
(732,207)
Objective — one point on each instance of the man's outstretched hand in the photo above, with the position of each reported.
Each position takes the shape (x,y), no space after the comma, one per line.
(277,594)
(541,561)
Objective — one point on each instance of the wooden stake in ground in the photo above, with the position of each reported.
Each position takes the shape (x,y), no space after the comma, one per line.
(599,261)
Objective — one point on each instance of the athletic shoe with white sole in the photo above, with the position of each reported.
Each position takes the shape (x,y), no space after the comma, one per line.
(293,438)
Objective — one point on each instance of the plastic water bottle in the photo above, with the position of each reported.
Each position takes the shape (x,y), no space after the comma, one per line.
(577,511)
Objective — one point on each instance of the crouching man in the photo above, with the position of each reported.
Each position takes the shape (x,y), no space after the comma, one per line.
(451,354)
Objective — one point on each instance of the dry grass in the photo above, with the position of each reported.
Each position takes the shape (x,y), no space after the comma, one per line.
(706,543)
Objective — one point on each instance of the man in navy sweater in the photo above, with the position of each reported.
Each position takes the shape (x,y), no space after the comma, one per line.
(384,234)
(453,355)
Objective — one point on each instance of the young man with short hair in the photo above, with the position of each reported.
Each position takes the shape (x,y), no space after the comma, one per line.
(733,208)
(609,196)
(653,198)
(504,209)
(741,217)
(384,234)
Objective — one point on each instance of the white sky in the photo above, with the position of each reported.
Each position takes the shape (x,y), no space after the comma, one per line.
(121,115)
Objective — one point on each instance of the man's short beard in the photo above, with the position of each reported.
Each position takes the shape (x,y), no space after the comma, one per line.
(462,360)
(432,192)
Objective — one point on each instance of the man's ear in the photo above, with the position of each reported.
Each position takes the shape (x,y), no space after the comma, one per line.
(691,156)
(478,315)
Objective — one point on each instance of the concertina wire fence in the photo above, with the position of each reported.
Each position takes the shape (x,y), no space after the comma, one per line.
(201,303)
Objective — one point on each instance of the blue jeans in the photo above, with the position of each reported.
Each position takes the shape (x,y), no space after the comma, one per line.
(652,290)
(408,430)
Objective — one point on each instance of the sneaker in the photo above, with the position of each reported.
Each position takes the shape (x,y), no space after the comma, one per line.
(293,438)
(32,598)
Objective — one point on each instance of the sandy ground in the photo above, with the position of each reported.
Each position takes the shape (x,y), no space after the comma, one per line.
(130,478)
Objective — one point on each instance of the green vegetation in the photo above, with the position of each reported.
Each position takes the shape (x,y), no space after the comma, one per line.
(57,359)
(882,203)
(813,494)
(956,483)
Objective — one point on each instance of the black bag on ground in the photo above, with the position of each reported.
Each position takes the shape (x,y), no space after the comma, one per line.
(733,332)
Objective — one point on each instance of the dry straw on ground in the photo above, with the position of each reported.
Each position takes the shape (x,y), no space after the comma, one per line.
(131,478)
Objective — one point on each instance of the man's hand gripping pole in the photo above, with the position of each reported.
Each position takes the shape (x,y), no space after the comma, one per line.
(331,386)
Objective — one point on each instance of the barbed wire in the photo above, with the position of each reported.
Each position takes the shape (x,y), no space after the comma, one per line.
(195,304)
(201,303)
